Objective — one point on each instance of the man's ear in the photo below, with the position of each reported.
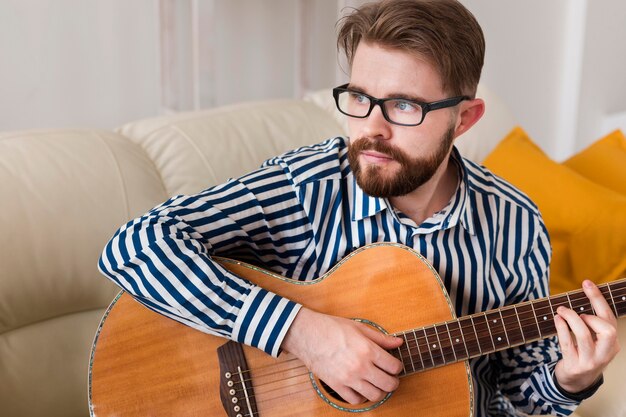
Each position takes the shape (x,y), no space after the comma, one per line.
(470,112)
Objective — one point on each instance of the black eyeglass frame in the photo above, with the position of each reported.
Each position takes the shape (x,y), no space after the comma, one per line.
(426,107)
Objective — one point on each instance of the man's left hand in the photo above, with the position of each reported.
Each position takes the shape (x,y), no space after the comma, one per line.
(595,345)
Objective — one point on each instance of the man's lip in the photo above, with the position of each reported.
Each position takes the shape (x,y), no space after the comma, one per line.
(376,155)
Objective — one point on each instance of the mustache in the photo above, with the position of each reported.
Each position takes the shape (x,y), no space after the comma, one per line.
(367,144)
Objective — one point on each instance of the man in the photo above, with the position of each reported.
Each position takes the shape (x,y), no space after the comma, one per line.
(415,66)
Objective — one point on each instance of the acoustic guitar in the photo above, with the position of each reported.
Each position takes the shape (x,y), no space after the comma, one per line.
(144,364)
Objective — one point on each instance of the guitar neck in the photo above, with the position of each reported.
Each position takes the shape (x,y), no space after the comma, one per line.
(494,330)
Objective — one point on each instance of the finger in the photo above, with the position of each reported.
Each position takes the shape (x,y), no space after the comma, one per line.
(566,342)
(370,391)
(598,302)
(599,326)
(583,336)
(383,359)
(383,340)
(382,380)
(606,335)
(349,395)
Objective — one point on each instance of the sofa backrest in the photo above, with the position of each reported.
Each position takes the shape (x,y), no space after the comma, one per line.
(194,150)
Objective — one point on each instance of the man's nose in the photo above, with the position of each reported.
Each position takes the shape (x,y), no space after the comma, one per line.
(376,126)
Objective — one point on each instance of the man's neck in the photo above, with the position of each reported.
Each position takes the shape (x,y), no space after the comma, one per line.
(432,196)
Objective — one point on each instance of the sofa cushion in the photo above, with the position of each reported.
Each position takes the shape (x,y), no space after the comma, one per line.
(586,222)
(604,162)
(64,194)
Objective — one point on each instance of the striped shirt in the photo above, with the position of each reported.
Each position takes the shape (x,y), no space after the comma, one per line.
(302,212)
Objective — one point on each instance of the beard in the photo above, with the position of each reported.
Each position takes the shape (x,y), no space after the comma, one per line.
(413,172)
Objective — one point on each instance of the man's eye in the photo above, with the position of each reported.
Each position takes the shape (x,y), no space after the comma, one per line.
(405,106)
(359,98)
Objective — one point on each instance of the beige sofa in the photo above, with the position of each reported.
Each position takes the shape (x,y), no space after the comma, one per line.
(64,192)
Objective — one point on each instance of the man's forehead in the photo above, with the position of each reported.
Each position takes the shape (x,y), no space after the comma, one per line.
(385,72)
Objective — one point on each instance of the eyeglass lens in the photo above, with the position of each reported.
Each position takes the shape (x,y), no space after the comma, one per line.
(398,110)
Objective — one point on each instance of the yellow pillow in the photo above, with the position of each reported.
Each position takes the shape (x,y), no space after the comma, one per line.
(586,222)
(604,162)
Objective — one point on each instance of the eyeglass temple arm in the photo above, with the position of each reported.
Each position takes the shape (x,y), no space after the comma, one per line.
(449,102)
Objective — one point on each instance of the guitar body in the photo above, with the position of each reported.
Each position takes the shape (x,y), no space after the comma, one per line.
(144,364)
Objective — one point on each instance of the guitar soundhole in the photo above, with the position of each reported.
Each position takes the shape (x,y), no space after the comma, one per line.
(331,392)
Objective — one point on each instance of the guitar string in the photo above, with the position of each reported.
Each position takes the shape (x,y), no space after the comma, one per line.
(272,398)
(293,377)
(260,384)
(526,316)
(484,334)
(527,323)
(305,381)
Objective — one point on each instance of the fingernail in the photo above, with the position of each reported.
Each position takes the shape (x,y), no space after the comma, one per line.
(587,284)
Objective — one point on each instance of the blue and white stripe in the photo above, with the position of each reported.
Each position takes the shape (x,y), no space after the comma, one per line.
(302,212)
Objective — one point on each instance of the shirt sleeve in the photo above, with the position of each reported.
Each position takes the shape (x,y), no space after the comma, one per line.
(526,372)
(164,258)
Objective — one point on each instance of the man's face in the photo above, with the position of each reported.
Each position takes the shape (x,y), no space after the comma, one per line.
(390,160)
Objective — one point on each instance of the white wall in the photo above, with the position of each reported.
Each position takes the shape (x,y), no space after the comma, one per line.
(603,87)
(77,63)
(523,62)
(558,64)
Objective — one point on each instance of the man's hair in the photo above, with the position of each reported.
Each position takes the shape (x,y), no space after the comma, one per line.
(443,32)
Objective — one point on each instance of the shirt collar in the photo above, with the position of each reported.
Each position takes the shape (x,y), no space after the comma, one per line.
(364,205)
(459,209)
(463,212)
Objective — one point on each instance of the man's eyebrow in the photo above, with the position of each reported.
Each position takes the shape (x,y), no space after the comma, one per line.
(403,96)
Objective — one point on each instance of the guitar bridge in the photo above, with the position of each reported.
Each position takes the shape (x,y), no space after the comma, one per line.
(236,390)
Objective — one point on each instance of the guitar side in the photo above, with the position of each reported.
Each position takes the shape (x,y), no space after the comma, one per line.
(146,364)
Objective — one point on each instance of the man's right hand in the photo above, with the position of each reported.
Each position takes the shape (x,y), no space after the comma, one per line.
(349,356)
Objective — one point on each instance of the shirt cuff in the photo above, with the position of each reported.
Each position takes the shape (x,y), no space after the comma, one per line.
(264,319)
(580,395)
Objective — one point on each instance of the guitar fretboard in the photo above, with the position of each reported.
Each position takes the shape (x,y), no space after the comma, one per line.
(482,333)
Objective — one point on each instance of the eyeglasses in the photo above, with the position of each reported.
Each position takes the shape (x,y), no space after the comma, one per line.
(398,111)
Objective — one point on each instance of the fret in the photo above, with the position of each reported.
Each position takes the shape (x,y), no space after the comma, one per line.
(545,317)
(552,312)
(451,343)
(569,300)
(470,337)
(506,335)
(458,340)
(528,322)
(536,319)
(433,345)
(612,300)
(513,326)
(619,291)
(417,346)
(408,348)
(427,344)
(484,334)
(443,336)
